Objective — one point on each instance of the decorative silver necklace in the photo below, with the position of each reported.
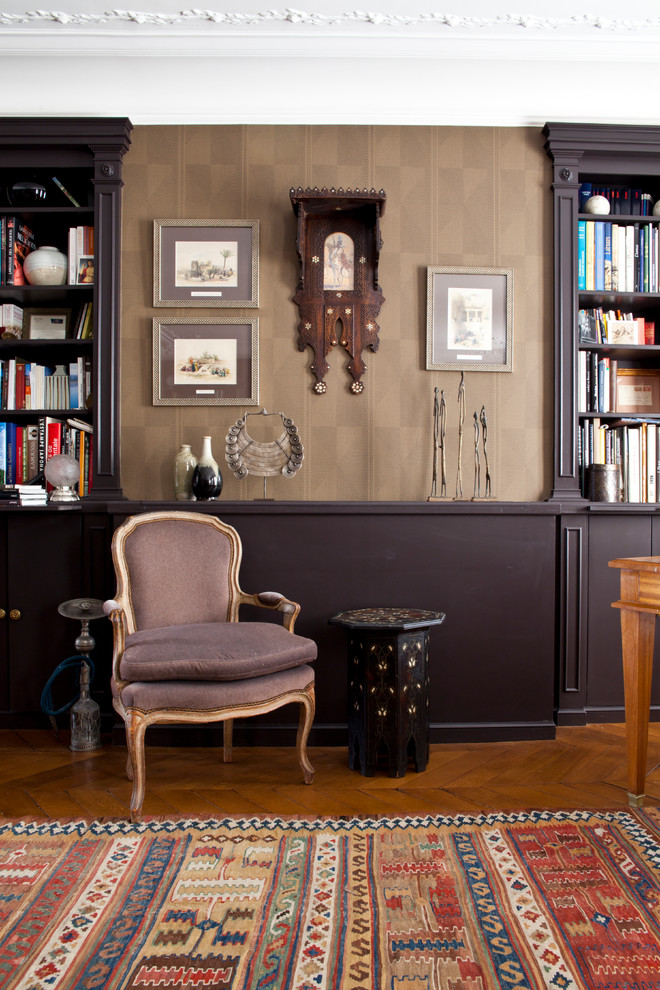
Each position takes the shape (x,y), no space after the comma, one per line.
(247,456)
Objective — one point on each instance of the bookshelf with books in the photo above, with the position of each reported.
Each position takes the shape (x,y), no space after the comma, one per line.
(59,387)
(606,393)
(60,187)
(607,293)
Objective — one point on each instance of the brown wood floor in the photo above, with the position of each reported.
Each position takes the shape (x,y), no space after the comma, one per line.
(583,767)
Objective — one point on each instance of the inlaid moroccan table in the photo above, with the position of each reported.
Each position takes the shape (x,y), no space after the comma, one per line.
(388,686)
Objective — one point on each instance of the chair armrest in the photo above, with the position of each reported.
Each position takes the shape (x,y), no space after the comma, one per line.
(117,617)
(276,602)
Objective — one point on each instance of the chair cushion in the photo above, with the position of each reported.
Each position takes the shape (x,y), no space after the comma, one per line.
(207,696)
(213,651)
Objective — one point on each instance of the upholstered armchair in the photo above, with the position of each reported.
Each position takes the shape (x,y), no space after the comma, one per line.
(180,653)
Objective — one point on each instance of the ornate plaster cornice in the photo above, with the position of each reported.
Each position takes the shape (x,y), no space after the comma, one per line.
(356,18)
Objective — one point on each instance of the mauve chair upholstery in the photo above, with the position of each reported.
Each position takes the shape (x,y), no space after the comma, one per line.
(179,652)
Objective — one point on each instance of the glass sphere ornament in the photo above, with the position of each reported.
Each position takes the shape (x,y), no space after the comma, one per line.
(62,471)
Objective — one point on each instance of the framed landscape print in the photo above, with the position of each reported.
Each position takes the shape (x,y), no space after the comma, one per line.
(206,263)
(469,319)
(202,362)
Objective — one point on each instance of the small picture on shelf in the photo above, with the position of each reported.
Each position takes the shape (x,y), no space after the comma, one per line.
(623,332)
(85,269)
(46,324)
(638,391)
(587,328)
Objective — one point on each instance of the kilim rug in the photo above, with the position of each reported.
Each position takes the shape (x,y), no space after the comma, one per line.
(549,900)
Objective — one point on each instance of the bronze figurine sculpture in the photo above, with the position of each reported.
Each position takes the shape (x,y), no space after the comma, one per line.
(484,426)
(461,421)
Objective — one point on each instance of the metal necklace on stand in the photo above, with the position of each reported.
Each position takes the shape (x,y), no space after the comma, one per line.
(244,455)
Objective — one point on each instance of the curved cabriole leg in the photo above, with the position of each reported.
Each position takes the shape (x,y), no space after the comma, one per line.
(227,740)
(136,732)
(306,717)
(129,760)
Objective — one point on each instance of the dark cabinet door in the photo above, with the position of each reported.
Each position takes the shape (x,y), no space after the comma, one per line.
(612,535)
(42,567)
(4,619)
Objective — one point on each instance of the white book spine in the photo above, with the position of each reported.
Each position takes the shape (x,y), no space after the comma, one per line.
(651,459)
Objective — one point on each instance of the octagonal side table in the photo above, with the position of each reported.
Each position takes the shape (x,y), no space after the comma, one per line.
(388,686)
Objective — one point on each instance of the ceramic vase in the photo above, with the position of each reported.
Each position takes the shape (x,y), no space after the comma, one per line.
(26,194)
(45,266)
(184,465)
(206,479)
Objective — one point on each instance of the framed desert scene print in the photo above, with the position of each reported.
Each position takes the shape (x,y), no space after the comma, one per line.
(469,319)
(203,362)
(206,263)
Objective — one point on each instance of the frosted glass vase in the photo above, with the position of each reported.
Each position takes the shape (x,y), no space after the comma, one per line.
(184,465)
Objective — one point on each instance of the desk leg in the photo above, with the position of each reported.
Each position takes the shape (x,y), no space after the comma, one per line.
(637,635)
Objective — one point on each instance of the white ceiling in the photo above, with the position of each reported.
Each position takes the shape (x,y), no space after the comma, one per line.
(397,64)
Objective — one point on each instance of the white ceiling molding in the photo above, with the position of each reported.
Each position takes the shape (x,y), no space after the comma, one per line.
(164,64)
(329,21)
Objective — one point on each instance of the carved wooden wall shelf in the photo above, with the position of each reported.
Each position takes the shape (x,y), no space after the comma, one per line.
(338,243)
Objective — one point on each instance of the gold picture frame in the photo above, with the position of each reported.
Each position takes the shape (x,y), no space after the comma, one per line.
(469,319)
(206,263)
(638,391)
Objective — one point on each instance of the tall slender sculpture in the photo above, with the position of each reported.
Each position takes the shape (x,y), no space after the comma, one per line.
(484,427)
(443,433)
(477,464)
(461,421)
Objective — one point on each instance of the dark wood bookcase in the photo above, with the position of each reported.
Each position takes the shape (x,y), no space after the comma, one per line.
(607,156)
(85,154)
(589,685)
(48,554)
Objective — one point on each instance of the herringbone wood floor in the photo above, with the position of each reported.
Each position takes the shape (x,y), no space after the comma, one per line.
(582,768)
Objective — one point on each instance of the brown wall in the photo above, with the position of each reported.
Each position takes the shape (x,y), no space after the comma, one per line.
(455,196)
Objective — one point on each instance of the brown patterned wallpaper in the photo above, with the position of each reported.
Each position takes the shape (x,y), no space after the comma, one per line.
(455,196)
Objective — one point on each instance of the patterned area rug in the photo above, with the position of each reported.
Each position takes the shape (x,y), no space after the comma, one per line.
(550,900)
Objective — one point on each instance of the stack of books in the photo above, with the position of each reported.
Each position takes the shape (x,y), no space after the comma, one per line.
(24,494)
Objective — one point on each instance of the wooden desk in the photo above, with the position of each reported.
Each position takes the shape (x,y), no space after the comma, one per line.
(639,604)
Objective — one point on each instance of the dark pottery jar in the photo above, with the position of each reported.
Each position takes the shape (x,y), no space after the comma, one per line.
(206,479)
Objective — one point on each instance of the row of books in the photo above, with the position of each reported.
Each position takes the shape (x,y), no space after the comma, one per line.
(597,376)
(81,255)
(25,448)
(618,257)
(623,200)
(606,385)
(28,385)
(598,326)
(16,241)
(633,445)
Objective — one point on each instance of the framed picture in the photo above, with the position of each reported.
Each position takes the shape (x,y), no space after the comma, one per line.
(202,362)
(638,391)
(46,324)
(469,319)
(85,275)
(206,263)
